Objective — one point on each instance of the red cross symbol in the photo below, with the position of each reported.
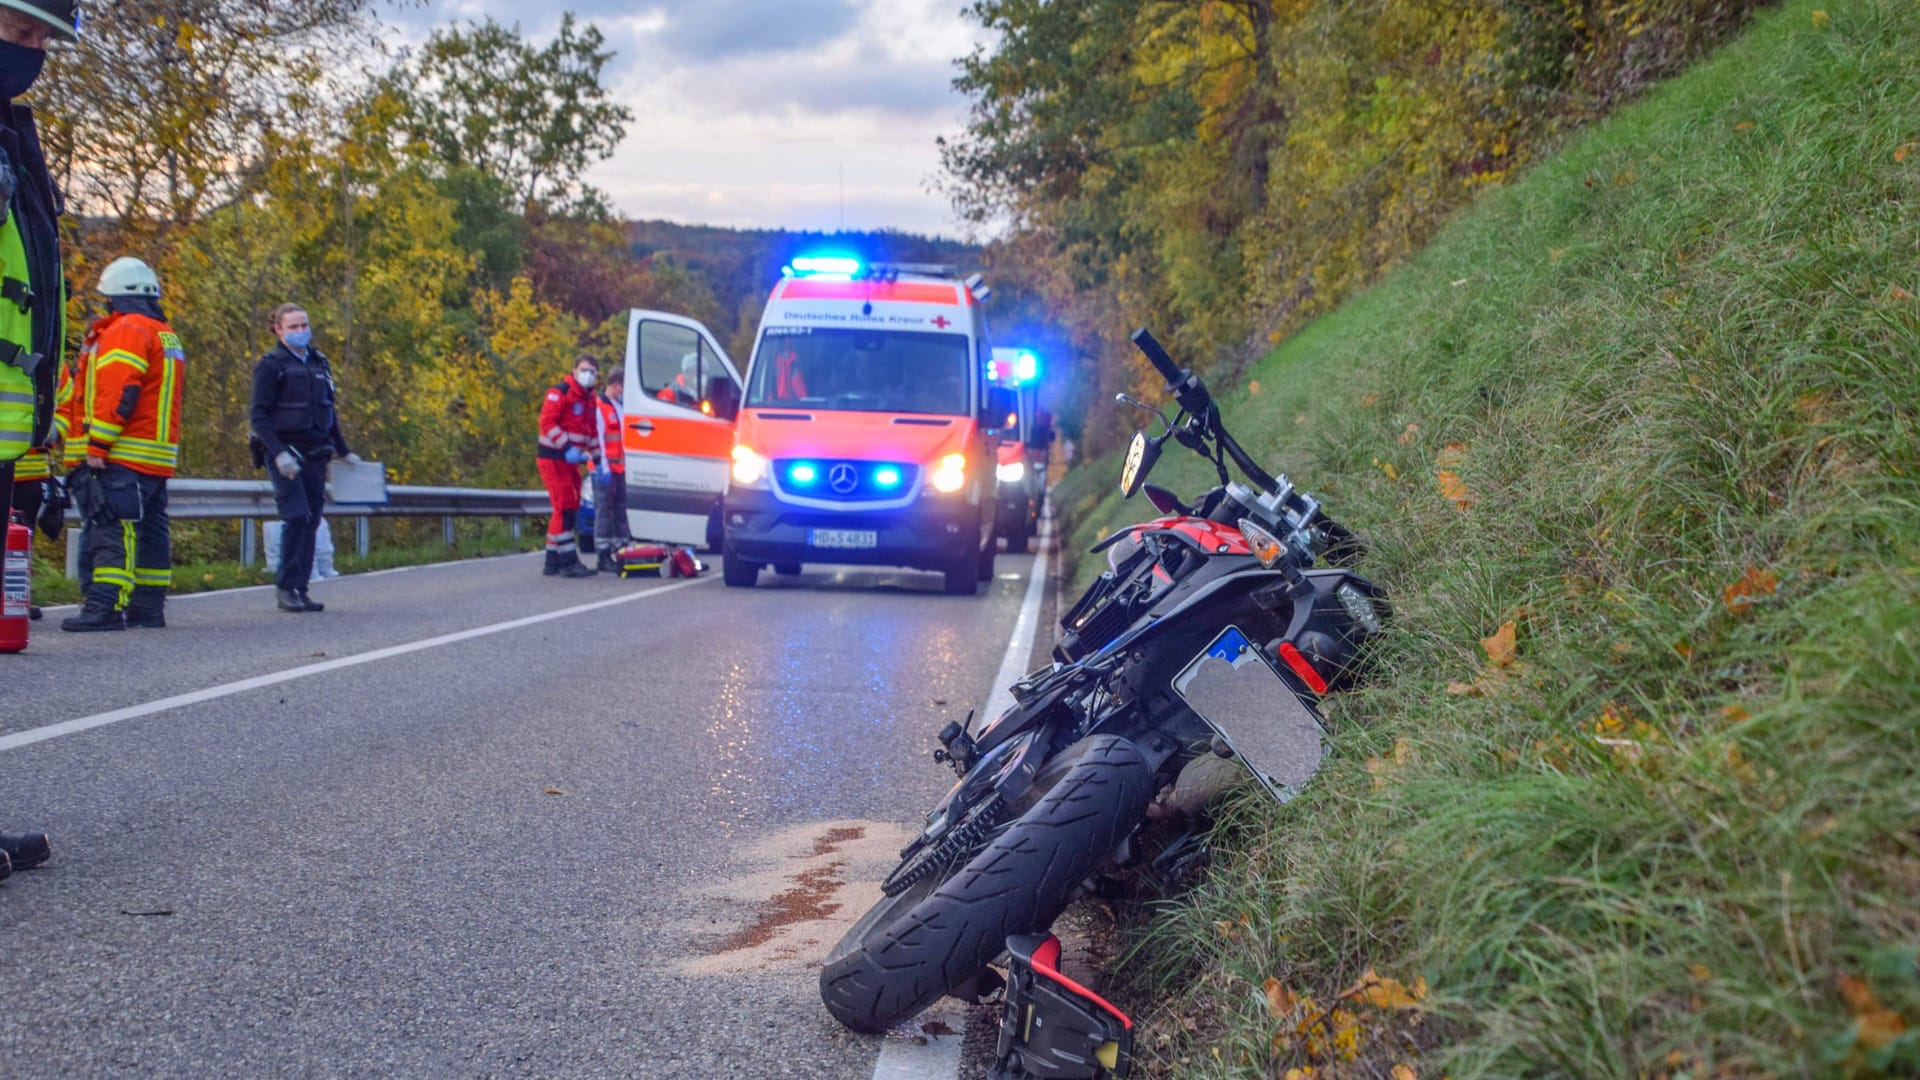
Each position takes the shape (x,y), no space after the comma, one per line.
(942,321)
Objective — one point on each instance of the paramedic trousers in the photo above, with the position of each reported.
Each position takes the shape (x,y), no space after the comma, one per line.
(562,481)
(300,501)
(609,512)
(128,558)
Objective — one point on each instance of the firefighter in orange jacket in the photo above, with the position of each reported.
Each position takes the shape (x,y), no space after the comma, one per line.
(569,438)
(121,421)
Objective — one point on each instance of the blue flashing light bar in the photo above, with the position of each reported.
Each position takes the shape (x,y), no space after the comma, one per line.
(886,477)
(803,474)
(839,266)
(1027,367)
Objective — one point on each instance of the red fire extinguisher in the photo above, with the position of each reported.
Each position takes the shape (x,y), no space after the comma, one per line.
(16,588)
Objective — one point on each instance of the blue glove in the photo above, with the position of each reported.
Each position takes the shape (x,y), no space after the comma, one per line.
(576,456)
(604,473)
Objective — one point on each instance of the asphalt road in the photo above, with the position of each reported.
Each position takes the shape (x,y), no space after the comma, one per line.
(611,843)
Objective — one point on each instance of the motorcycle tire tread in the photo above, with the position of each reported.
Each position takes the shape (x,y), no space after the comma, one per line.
(1018,885)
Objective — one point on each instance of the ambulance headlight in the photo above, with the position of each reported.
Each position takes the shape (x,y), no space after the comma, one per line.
(749,468)
(1011,472)
(950,475)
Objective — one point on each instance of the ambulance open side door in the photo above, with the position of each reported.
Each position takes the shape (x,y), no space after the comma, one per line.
(682,395)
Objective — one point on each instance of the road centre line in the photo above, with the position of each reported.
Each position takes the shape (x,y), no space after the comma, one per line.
(134,712)
(938,1057)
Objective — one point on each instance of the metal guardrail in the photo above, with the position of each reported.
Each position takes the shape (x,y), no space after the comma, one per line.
(251,500)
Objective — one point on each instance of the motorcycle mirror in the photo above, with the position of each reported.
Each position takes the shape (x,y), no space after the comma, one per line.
(1140,458)
(1128,399)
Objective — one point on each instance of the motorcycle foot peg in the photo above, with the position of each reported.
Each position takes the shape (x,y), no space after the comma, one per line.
(1052,1028)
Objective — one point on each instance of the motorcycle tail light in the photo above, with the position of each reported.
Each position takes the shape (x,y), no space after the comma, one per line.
(1266,546)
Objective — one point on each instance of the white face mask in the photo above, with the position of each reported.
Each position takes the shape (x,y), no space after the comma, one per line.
(584,378)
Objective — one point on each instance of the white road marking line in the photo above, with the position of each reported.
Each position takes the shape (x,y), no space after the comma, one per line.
(134,712)
(938,1058)
(358,575)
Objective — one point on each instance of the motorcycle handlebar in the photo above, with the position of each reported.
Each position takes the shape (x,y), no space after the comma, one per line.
(1150,347)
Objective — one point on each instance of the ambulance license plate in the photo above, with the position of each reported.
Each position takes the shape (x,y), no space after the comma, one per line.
(843,538)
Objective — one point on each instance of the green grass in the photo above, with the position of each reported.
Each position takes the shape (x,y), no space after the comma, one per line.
(477,539)
(1684,351)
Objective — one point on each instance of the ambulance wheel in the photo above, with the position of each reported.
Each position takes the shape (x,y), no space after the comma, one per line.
(787,569)
(1017,540)
(964,579)
(737,572)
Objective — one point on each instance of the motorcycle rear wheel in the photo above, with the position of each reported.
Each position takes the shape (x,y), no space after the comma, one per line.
(913,948)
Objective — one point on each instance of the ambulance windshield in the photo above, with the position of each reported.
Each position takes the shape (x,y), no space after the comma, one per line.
(893,371)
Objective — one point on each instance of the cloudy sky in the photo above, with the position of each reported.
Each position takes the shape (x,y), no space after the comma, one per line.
(749,112)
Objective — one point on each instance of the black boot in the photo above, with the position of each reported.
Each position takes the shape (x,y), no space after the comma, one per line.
(94,617)
(574,568)
(310,603)
(553,563)
(34,613)
(290,601)
(25,850)
(147,610)
(607,564)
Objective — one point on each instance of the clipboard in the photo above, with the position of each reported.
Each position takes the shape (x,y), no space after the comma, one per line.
(364,484)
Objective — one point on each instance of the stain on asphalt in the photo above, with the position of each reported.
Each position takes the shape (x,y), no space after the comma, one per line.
(789,896)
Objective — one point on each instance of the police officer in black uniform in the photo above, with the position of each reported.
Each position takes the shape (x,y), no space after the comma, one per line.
(296,430)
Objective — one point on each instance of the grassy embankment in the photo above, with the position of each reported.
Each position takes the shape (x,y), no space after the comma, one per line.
(1652,412)
(200,572)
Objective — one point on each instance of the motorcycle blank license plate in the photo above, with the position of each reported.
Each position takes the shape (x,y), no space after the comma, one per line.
(1242,697)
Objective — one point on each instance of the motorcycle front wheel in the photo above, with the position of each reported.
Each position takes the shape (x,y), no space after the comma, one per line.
(912,948)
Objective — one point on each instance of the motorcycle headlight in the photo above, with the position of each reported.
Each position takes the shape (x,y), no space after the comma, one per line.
(749,468)
(1011,472)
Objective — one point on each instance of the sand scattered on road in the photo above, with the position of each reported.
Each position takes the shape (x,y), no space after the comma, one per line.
(792,896)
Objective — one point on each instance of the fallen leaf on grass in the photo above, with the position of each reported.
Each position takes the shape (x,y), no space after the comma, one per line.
(1384,770)
(1387,467)
(1382,992)
(1405,438)
(1700,973)
(1755,583)
(1461,689)
(555,791)
(1253,387)
(1744,125)
(1875,1024)
(1281,1001)
(1901,154)
(1821,18)
(1404,1071)
(1503,646)
(1454,489)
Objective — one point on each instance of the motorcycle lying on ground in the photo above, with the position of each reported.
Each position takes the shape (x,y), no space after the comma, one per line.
(1208,639)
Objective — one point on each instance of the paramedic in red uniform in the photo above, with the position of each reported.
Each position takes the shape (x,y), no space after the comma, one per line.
(569,438)
(610,477)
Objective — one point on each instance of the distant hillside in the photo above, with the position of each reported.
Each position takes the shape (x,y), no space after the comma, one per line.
(740,265)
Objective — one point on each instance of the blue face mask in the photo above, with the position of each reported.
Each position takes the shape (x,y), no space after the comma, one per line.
(298,339)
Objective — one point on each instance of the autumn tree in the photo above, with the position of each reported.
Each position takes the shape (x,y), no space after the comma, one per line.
(482,97)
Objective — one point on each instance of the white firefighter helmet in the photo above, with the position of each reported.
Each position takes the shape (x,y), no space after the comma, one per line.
(129,276)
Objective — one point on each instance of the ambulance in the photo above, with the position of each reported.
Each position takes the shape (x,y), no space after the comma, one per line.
(1021,459)
(867,429)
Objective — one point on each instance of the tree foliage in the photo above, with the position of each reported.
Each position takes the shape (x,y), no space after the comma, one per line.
(482,97)
(1228,168)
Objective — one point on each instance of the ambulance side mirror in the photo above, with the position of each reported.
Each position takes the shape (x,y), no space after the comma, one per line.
(1001,404)
(724,395)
